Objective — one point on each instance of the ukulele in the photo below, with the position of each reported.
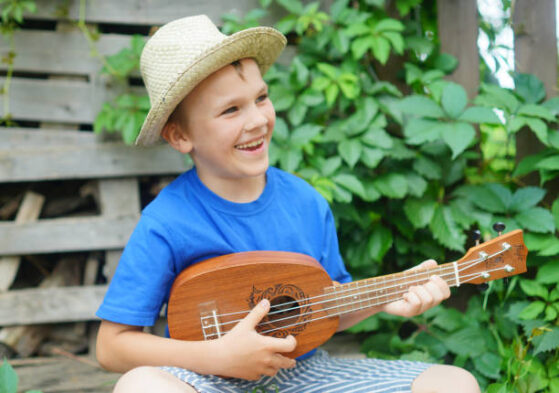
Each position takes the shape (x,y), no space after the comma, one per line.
(209,298)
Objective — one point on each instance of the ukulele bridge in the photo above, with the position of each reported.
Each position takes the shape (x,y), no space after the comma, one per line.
(209,320)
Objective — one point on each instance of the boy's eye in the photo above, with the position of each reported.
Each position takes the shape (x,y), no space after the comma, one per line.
(262,98)
(229,110)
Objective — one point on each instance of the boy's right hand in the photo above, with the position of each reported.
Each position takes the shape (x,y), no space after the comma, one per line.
(246,354)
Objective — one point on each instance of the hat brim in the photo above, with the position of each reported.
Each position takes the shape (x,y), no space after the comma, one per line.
(263,44)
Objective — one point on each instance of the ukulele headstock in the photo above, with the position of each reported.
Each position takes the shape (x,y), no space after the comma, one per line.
(501,257)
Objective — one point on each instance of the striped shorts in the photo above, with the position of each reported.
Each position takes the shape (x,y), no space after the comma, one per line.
(320,373)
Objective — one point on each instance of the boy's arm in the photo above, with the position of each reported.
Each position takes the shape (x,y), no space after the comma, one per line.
(241,353)
(416,301)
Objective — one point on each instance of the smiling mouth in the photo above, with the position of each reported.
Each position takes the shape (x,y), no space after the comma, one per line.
(251,146)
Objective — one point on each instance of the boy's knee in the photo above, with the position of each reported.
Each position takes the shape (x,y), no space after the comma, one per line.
(150,379)
(445,379)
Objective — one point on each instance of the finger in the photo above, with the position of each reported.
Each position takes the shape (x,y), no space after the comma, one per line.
(438,288)
(256,314)
(428,264)
(287,344)
(281,361)
(425,297)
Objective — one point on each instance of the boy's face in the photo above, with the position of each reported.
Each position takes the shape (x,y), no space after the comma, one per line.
(228,121)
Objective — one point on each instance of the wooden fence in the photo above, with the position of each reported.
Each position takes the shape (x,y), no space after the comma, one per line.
(55,94)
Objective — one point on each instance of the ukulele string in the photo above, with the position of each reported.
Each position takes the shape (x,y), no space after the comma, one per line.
(467,277)
(446,270)
(351,294)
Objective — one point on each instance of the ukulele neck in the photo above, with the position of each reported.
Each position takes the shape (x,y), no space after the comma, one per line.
(371,292)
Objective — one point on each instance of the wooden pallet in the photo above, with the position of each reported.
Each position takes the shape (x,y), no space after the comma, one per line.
(57,88)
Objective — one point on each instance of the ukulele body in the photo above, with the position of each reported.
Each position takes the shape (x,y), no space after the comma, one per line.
(209,298)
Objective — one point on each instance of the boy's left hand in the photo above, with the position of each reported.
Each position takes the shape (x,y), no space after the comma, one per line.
(420,298)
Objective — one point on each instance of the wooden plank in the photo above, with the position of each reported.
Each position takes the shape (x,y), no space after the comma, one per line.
(47,305)
(458,29)
(68,101)
(143,12)
(29,211)
(60,53)
(63,375)
(535,44)
(23,138)
(81,162)
(66,234)
(119,197)
(535,51)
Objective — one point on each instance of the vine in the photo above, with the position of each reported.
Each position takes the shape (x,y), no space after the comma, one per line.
(11,20)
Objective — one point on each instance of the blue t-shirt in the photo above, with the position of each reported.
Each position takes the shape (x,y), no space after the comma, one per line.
(188,223)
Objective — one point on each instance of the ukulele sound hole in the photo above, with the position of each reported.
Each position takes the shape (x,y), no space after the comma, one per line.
(283,310)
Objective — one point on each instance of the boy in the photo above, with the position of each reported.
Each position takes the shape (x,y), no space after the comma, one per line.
(209,100)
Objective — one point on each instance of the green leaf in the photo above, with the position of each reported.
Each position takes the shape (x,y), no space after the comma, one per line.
(381,49)
(377,137)
(293,6)
(396,40)
(388,24)
(446,62)
(360,46)
(281,131)
(488,364)
(392,185)
(296,113)
(419,131)
(445,230)
(536,219)
(468,341)
(416,184)
(548,273)
(350,150)
(549,341)
(290,159)
(550,163)
(533,288)
(282,97)
(427,167)
(479,114)
(494,198)
(555,212)
(331,94)
(458,136)
(454,99)
(379,243)
(529,87)
(539,128)
(351,183)
(371,157)
(304,134)
(536,111)
(526,197)
(419,211)
(421,106)
(8,378)
(449,319)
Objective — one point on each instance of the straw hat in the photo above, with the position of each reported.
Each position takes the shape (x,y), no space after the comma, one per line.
(184,52)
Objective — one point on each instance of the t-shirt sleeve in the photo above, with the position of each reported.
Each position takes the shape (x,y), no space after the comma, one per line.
(143,278)
(331,258)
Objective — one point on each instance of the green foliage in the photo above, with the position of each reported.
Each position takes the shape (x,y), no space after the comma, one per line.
(409,171)
(126,113)
(9,379)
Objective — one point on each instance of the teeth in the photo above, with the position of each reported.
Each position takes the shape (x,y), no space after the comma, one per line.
(251,144)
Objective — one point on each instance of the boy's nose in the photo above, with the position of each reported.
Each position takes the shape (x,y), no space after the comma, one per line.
(255,119)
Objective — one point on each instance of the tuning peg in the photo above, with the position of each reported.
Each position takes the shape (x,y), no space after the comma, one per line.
(476,235)
(499,227)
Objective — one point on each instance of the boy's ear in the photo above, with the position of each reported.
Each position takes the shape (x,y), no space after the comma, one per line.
(176,137)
